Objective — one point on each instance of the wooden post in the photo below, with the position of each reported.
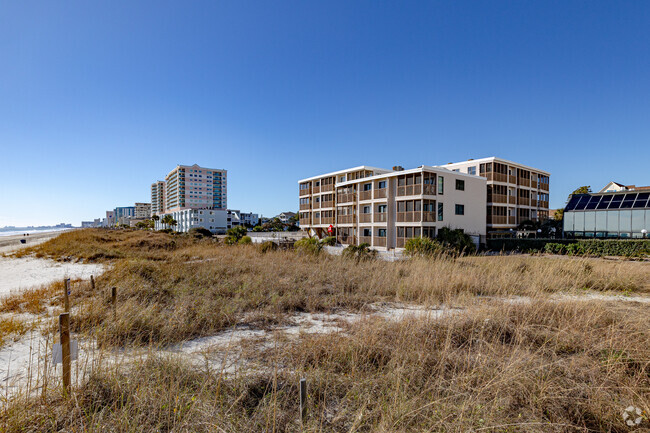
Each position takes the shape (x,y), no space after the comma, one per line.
(114,301)
(66,299)
(92,283)
(303,399)
(64,329)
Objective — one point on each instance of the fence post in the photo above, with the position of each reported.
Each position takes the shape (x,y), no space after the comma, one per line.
(114,301)
(64,329)
(92,283)
(66,298)
(303,399)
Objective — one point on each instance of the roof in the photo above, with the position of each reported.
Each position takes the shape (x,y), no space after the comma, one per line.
(334,173)
(495,158)
(409,171)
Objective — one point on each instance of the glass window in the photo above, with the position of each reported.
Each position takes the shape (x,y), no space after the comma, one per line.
(568,221)
(409,206)
(460,209)
(440,211)
(590,221)
(367,187)
(381,208)
(593,201)
(601,220)
(460,185)
(471,170)
(417,206)
(409,232)
(441,185)
(572,202)
(366,209)
(367,232)
(579,221)
(625,221)
(638,222)
(400,232)
(381,233)
(401,206)
(612,221)
(382,184)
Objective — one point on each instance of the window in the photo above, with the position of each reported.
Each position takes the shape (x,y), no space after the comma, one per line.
(381,233)
(382,184)
(440,211)
(471,170)
(366,209)
(342,179)
(367,232)
(460,185)
(441,185)
(381,208)
(367,187)
(460,209)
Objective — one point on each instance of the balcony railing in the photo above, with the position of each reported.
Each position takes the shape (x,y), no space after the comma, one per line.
(381,193)
(512,220)
(304,192)
(316,189)
(512,199)
(408,217)
(497,198)
(304,221)
(429,217)
(523,201)
(327,220)
(409,190)
(542,204)
(381,217)
(345,239)
(326,188)
(533,202)
(379,241)
(365,240)
(543,186)
(365,195)
(497,219)
(500,177)
(429,189)
(304,206)
(523,182)
(400,242)
(533,184)
(347,198)
(316,205)
(365,218)
(329,203)
(347,219)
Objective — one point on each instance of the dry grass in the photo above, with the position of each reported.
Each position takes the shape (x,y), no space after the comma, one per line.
(11,329)
(542,366)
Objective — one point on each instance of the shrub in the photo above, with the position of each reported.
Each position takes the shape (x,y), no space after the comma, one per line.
(233,235)
(329,241)
(200,232)
(308,245)
(361,252)
(267,246)
(456,240)
(245,240)
(422,247)
(555,248)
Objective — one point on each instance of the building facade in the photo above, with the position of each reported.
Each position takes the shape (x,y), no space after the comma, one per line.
(215,220)
(237,218)
(142,211)
(157,197)
(194,187)
(515,192)
(384,208)
(123,214)
(616,211)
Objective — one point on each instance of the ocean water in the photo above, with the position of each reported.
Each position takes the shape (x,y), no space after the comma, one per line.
(20,232)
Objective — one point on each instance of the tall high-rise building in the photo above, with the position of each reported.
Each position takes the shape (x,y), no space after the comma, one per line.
(142,210)
(157,197)
(195,187)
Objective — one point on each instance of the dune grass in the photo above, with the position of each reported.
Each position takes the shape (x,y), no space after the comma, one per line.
(544,365)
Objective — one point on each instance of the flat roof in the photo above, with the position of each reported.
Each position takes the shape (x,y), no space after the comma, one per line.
(334,173)
(409,171)
(495,158)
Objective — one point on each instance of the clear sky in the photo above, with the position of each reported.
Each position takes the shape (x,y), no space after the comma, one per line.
(98,99)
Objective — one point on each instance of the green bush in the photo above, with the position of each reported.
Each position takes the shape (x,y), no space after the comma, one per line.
(233,235)
(456,241)
(361,252)
(267,246)
(200,232)
(245,240)
(422,247)
(309,246)
(599,247)
(329,241)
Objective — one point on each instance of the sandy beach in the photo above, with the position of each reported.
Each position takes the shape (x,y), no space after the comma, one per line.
(12,243)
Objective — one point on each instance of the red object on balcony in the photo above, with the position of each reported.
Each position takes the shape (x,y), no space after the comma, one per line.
(330,229)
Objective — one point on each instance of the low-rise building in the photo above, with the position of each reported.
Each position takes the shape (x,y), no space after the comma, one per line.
(284,217)
(215,220)
(384,208)
(237,217)
(616,211)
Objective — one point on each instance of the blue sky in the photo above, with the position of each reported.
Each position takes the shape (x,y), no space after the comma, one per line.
(99,99)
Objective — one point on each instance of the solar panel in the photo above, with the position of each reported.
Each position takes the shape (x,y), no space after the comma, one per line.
(572,203)
(583,202)
(616,201)
(593,202)
(604,202)
(641,203)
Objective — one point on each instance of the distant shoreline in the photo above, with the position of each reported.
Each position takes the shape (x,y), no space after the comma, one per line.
(11,243)
(5,233)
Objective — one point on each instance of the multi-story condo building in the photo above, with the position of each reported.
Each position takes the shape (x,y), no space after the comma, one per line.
(109,221)
(384,208)
(157,197)
(123,214)
(616,211)
(215,220)
(194,187)
(142,210)
(515,192)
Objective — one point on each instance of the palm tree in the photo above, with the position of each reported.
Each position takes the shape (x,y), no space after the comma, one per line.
(167,220)
(155,218)
(173,222)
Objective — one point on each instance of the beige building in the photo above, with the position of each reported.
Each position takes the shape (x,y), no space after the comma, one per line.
(515,192)
(384,208)
(157,198)
(194,187)
(142,211)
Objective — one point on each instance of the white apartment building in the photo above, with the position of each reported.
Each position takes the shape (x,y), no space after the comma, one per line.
(237,217)
(157,197)
(195,187)
(515,192)
(384,208)
(142,211)
(215,220)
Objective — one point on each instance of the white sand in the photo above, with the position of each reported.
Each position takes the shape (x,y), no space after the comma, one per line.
(27,272)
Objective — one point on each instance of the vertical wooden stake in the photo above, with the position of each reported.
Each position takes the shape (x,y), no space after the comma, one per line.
(66,299)
(64,329)
(303,399)
(92,283)
(114,301)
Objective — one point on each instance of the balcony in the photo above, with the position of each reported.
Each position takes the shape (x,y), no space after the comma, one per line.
(409,190)
(315,189)
(327,220)
(304,192)
(316,205)
(512,180)
(533,184)
(347,219)
(533,202)
(379,242)
(408,217)
(429,189)
(316,220)
(429,217)
(327,188)
(497,219)
(381,217)
(329,203)
(400,242)
(365,195)
(523,182)
(365,240)
(345,239)
(542,204)
(304,221)
(511,199)
(500,177)
(365,218)
(523,201)
(512,220)
(381,193)
(347,198)
(497,198)
(304,206)
(543,186)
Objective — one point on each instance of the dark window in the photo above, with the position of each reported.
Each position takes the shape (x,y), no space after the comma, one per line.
(441,185)
(382,184)
(367,232)
(460,185)
(367,187)
(440,211)
(460,209)
(381,233)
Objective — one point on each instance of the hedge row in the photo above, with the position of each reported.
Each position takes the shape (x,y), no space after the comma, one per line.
(594,247)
